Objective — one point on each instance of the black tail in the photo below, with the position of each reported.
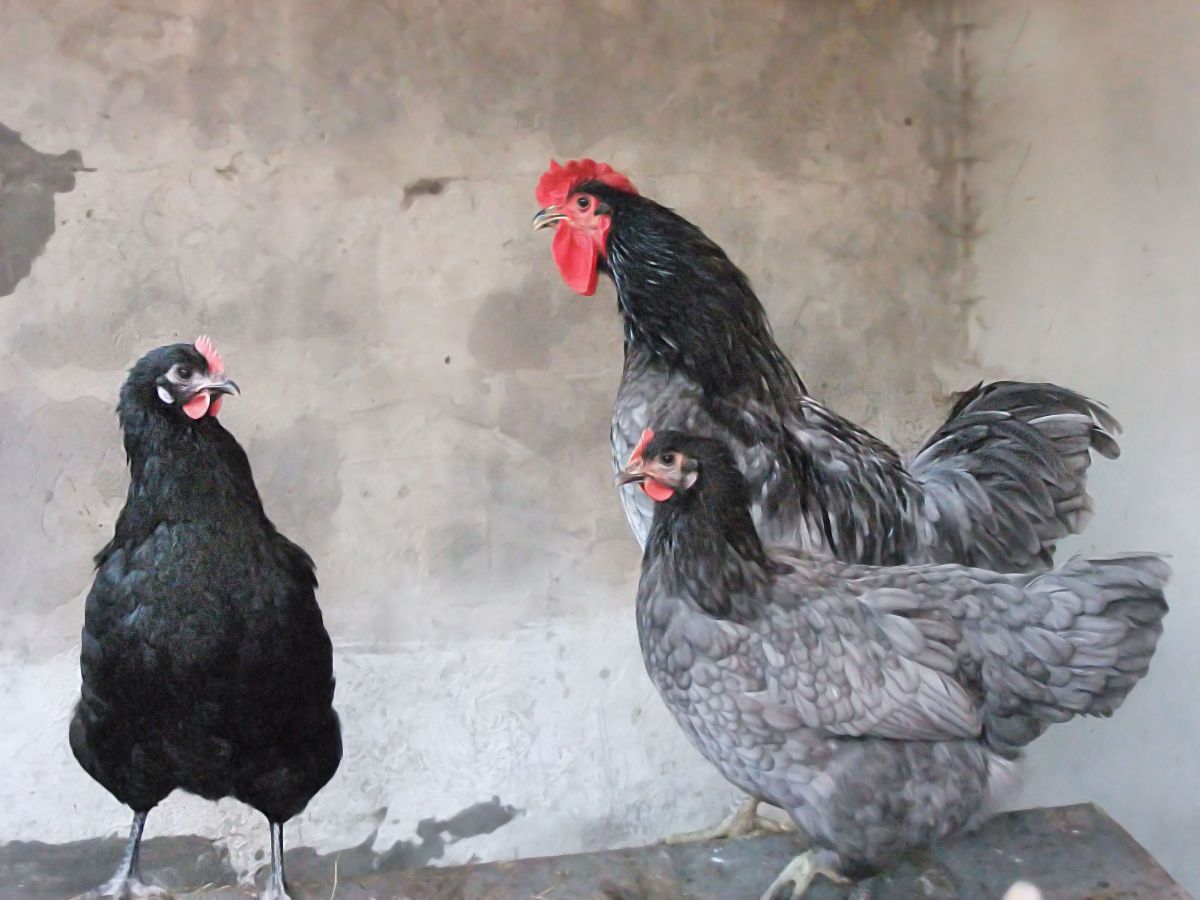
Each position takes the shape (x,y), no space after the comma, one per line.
(1005,478)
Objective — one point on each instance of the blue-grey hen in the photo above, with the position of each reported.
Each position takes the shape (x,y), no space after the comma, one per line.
(996,486)
(206,665)
(877,705)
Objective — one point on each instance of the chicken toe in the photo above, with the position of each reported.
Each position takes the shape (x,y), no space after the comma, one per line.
(742,822)
(800,872)
(126,883)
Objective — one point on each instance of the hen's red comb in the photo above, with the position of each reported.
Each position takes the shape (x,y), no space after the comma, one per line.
(646,438)
(209,351)
(557,182)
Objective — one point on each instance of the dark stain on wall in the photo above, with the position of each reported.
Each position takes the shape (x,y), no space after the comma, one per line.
(522,327)
(423,187)
(28,182)
(297,473)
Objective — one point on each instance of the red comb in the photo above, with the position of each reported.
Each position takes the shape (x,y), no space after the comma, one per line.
(557,182)
(205,345)
(646,438)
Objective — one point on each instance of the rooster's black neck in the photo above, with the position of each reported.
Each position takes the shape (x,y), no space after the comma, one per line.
(708,548)
(684,301)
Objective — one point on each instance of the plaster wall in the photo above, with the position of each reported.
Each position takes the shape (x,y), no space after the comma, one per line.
(340,193)
(1086,130)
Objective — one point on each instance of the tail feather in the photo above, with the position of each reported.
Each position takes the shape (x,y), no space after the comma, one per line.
(1005,477)
(1089,631)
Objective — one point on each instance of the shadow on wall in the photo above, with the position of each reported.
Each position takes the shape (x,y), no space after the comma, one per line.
(28,182)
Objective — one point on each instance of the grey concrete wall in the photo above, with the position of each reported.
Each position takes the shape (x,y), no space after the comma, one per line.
(340,193)
(1086,124)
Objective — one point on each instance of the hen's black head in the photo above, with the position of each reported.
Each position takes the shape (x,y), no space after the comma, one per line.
(702,509)
(672,466)
(183,381)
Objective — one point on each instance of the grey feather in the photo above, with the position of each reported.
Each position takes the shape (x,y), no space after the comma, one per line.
(873,702)
(996,486)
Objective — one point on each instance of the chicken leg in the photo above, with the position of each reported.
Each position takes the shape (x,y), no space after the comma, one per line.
(801,871)
(742,822)
(276,888)
(126,883)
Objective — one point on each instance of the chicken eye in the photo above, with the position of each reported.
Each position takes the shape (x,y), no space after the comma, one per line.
(667,459)
(184,372)
(583,202)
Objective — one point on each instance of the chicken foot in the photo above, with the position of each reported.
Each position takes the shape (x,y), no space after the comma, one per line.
(742,822)
(126,883)
(801,872)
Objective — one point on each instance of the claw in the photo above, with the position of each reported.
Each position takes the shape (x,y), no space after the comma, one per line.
(742,822)
(127,884)
(124,889)
(801,871)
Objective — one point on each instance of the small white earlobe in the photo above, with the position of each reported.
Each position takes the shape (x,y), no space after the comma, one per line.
(164,395)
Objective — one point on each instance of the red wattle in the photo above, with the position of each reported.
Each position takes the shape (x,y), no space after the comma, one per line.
(198,405)
(576,257)
(214,405)
(657,491)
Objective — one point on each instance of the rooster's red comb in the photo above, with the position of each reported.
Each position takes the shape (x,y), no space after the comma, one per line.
(646,438)
(557,182)
(209,351)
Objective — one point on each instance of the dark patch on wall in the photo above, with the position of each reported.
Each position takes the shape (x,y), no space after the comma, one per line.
(423,187)
(66,453)
(580,421)
(305,864)
(296,470)
(28,182)
(520,328)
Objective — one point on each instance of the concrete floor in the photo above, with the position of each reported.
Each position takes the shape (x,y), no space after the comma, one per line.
(1070,853)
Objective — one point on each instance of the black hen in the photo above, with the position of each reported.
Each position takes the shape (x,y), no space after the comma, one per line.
(996,486)
(205,662)
(878,705)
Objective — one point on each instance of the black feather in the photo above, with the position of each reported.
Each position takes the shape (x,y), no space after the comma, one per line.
(998,485)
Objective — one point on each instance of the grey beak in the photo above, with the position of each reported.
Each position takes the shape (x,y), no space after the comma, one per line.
(222,386)
(544,218)
(631,474)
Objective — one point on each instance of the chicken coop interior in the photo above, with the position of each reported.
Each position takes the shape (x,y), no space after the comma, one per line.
(435,399)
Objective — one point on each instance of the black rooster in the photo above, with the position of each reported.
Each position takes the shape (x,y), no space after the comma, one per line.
(205,662)
(879,706)
(996,486)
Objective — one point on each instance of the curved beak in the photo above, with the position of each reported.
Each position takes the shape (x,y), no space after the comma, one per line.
(547,217)
(219,386)
(633,472)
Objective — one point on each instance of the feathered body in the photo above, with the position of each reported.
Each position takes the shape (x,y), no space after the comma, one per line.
(996,486)
(875,704)
(205,662)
